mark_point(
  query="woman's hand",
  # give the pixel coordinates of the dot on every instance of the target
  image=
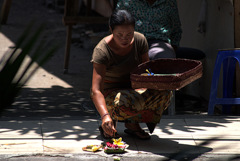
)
(108, 126)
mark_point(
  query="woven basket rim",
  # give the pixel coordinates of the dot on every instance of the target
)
(166, 78)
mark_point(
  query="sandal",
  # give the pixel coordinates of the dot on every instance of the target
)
(140, 134)
(106, 136)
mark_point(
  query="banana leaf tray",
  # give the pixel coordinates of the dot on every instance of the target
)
(169, 73)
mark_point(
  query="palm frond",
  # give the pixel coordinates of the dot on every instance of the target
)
(19, 64)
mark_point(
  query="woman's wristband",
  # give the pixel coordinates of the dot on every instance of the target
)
(105, 115)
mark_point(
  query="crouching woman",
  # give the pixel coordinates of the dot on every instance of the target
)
(113, 59)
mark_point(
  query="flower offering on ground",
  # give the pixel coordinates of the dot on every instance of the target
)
(115, 146)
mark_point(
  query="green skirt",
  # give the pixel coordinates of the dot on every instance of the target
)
(137, 105)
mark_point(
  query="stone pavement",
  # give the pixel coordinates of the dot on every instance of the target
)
(176, 137)
(53, 117)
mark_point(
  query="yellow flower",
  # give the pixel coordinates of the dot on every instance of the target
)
(118, 141)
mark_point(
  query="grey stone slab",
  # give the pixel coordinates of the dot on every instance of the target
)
(172, 122)
(69, 136)
(20, 129)
(68, 146)
(223, 146)
(209, 122)
(71, 129)
(214, 131)
(21, 146)
(20, 137)
(166, 146)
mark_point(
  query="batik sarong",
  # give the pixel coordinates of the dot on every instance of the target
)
(137, 105)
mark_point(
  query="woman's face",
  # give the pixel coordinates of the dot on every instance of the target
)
(123, 35)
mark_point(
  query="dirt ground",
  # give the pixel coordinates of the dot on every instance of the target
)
(49, 90)
(50, 93)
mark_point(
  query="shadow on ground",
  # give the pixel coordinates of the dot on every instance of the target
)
(46, 103)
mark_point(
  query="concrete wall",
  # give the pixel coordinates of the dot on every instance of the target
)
(219, 33)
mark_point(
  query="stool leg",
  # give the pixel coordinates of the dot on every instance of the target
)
(5, 11)
(229, 65)
(229, 59)
(214, 85)
(67, 49)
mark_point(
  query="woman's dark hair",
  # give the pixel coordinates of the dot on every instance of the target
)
(121, 17)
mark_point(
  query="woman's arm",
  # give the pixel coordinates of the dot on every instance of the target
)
(145, 57)
(99, 71)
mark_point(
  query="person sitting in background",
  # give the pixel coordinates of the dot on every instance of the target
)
(113, 59)
(159, 21)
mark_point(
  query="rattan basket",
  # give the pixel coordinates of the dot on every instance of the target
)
(170, 74)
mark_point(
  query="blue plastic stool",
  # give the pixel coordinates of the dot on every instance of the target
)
(229, 59)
